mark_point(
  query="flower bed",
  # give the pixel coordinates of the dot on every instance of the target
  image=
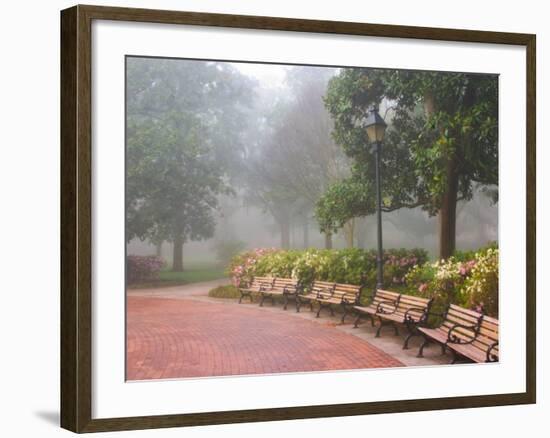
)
(143, 268)
(467, 279)
(353, 266)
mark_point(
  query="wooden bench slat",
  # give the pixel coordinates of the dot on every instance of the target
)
(459, 309)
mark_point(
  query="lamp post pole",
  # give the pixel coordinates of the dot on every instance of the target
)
(379, 255)
(376, 128)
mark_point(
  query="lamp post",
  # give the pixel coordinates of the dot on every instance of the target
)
(376, 128)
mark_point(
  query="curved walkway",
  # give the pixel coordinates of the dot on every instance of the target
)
(178, 336)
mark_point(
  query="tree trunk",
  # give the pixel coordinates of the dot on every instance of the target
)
(447, 211)
(177, 259)
(158, 249)
(285, 235)
(306, 235)
(349, 229)
(361, 234)
(328, 240)
(447, 214)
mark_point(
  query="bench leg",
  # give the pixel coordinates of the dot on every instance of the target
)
(321, 306)
(408, 338)
(249, 295)
(298, 304)
(455, 357)
(318, 311)
(262, 300)
(285, 297)
(345, 313)
(381, 324)
(357, 320)
(424, 344)
(395, 328)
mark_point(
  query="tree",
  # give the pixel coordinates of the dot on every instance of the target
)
(442, 140)
(177, 154)
(296, 159)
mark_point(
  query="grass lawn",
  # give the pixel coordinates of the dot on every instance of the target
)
(194, 273)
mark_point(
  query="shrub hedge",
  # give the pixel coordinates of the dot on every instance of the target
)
(469, 279)
(353, 266)
(142, 268)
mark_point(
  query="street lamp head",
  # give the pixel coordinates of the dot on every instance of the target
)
(375, 125)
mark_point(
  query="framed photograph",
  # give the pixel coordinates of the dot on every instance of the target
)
(270, 218)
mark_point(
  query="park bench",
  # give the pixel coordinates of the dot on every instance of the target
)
(255, 286)
(285, 287)
(381, 299)
(316, 288)
(327, 294)
(460, 333)
(392, 308)
(484, 347)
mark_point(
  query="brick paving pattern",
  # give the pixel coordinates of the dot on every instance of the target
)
(177, 338)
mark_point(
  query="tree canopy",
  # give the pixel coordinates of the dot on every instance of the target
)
(441, 142)
(183, 139)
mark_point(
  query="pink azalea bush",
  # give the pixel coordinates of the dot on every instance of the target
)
(142, 268)
(241, 268)
(468, 279)
(353, 266)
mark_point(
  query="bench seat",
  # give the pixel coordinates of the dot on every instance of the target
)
(465, 333)
(255, 286)
(285, 287)
(327, 294)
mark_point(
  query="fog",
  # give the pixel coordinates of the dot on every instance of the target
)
(267, 135)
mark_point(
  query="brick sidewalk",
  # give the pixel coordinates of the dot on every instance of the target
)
(175, 338)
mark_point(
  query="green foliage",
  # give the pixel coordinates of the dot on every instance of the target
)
(229, 291)
(341, 202)
(352, 266)
(182, 120)
(193, 275)
(481, 287)
(442, 135)
(470, 279)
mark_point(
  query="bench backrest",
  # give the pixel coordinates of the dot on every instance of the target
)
(488, 336)
(258, 282)
(459, 315)
(282, 283)
(384, 295)
(324, 287)
(407, 302)
(347, 292)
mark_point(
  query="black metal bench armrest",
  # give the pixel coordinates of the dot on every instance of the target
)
(492, 357)
(264, 287)
(380, 309)
(421, 310)
(290, 290)
(350, 301)
(325, 293)
(454, 339)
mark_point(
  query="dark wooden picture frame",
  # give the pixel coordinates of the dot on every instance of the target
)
(76, 218)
